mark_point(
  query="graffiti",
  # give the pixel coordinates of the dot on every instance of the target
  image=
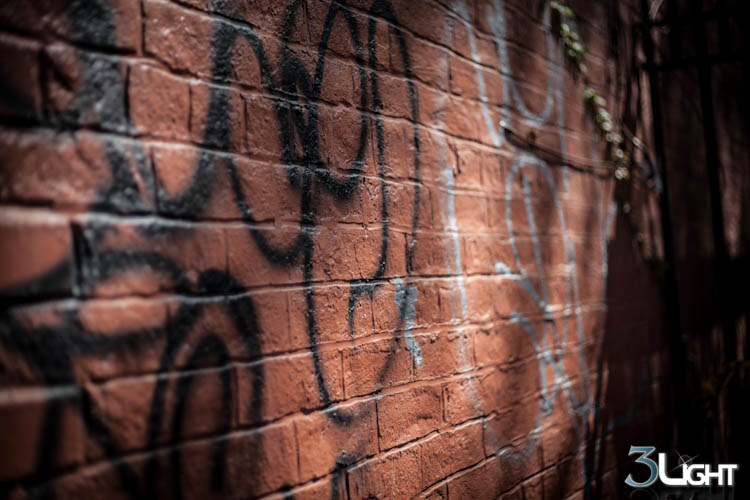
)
(191, 339)
(295, 94)
(549, 345)
(406, 299)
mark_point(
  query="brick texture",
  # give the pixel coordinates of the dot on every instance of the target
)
(286, 250)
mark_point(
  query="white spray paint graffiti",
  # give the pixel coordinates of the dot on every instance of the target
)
(496, 134)
(497, 20)
(579, 408)
(524, 160)
(549, 344)
(406, 300)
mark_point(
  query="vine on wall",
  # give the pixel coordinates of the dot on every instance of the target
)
(575, 51)
(609, 128)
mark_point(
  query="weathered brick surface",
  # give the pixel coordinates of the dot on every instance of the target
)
(286, 250)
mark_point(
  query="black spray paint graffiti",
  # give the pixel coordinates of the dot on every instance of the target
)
(295, 99)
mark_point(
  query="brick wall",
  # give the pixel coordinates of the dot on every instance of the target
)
(286, 249)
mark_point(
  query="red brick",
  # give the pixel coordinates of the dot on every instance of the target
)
(493, 86)
(110, 318)
(31, 170)
(470, 397)
(330, 314)
(347, 432)
(122, 407)
(432, 107)
(505, 344)
(22, 416)
(408, 415)
(444, 354)
(70, 73)
(471, 212)
(399, 104)
(439, 492)
(275, 331)
(451, 451)
(35, 244)
(289, 385)
(385, 309)
(125, 170)
(121, 172)
(433, 255)
(467, 173)
(50, 18)
(351, 209)
(423, 17)
(481, 253)
(398, 138)
(341, 85)
(430, 65)
(480, 482)
(464, 78)
(391, 475)
(332, 487)
(262, 461)
(99, 479)
(374, 365)
(519, 380)
(227, 318)
(533, 488)
(525, 27)
(264, 139)
(225, 131)
(508, 426)
(178, 37)
(340, 131)
(551, 483)
(159, 103)
(464, 119)
(244, 254)
(191, 249)
(520, 462)
(559, 442)
(267, 16)
(346, 253)
(175, 168)
(267, 190)
(430, 310)
(479, 298)
(400, 205)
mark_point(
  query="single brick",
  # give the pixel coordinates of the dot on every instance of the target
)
(36, 254)
(179, 37)
(327, 441)
(450, 451)
(159, 103)
(391, 475)
(85, 89)
(407, 415)
(217, 117)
